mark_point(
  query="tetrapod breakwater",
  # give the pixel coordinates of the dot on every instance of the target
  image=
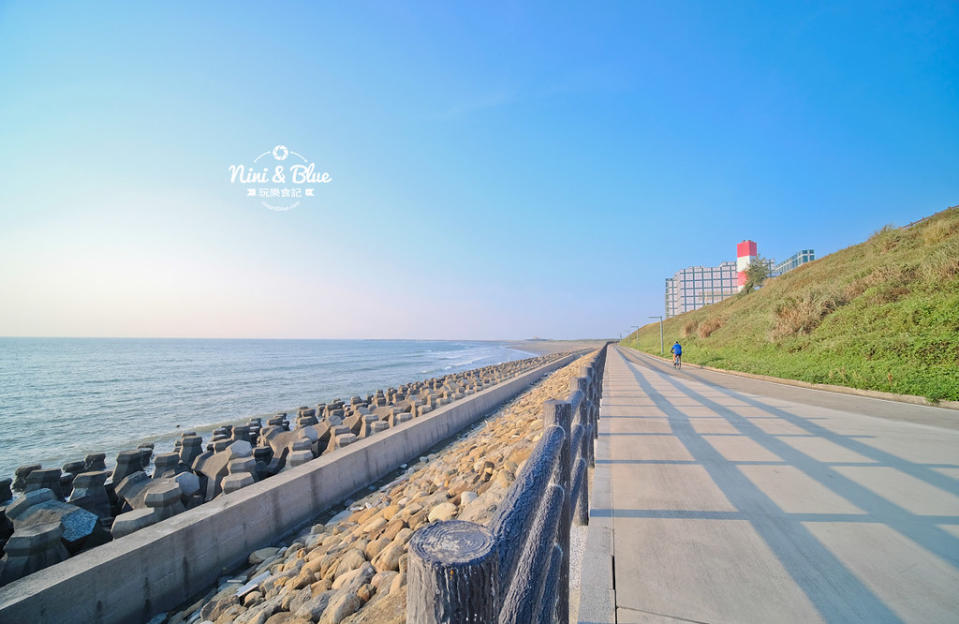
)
(352, 568)
(152, 569)
(60, 512)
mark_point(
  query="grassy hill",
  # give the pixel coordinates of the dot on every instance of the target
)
(881, 315)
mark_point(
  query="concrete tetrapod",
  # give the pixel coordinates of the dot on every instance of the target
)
(31, 549)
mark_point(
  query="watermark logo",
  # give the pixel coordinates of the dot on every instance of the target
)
(280, 178)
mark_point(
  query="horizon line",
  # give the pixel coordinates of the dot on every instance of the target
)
(65, 337)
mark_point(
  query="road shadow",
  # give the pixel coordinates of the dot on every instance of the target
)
(785, 533)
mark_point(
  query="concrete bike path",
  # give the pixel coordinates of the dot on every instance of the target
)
(718, 505)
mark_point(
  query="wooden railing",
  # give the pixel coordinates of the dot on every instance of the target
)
(515, 571)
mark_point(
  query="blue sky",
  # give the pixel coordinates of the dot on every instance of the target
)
(499, 171)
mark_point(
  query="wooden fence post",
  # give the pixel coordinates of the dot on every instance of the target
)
(453, 576)
(529, 589)
(581, 481)
(584, 412)
(549, 603)
(560, 413)
(518, 512)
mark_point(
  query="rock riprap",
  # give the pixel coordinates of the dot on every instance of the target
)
(89, 504)
(352, 568)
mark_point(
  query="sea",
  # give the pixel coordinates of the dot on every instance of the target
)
(61, 398)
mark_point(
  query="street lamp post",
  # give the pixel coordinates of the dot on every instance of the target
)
(662, 347)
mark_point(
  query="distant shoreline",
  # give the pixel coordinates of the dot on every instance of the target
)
(542, 347)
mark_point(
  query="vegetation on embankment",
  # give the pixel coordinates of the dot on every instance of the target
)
(881, 315)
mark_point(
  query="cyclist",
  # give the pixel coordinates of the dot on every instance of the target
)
(677, 354)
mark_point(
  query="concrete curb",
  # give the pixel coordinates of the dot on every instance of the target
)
(597, 602)
(163, 565)
(872, 394)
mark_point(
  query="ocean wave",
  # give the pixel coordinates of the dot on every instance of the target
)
(113, 394)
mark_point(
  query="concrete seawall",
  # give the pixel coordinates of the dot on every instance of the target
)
(161, 566)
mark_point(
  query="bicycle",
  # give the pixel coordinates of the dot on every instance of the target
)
(677, 361)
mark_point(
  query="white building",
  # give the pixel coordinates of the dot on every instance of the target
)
(800, 257)
(698, 286)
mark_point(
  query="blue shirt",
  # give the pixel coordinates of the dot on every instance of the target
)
(677, 349)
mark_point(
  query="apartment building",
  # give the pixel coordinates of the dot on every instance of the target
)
(695, 287)
(799, 258)
(698, 286)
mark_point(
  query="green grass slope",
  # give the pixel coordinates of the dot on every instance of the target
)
(881, 315)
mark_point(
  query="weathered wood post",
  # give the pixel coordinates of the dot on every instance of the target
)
(585, 416)
(514, 521)
(453, 575)
(528, 589)
(581, 414)
(549, 602)
(560, 413)
(595, 390)
(580, 477)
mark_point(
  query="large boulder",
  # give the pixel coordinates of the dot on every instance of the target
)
(384, 608)
(342, 605)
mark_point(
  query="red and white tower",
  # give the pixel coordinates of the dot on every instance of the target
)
(746, 253)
